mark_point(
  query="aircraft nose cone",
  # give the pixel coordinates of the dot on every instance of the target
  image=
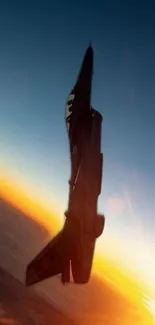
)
(88, 58)
(87, 67)
(89, 50)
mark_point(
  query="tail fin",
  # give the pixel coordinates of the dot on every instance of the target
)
(50, 261)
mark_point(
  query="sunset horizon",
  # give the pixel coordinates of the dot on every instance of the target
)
(43, 47)
(104, 267)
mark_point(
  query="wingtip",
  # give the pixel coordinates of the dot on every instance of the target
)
(31, 277)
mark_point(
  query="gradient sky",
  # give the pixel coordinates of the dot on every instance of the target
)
(42, 46)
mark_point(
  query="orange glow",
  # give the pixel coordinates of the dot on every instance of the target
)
(7, 321)
(15, 195)
(102, 267)
(117, 279)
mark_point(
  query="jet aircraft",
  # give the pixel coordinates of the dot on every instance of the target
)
(72, 249)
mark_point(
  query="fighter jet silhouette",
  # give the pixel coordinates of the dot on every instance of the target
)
(72, 249)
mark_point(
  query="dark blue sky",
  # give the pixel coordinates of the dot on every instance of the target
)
(42, 44)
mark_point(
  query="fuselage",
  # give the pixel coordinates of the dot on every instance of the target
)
(74, 245)
(82, 218)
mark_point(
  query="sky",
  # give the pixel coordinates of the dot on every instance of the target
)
(42, 46)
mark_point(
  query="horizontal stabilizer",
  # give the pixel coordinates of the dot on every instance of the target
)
(50, 261)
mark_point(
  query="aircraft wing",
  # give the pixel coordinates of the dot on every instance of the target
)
(50, 261)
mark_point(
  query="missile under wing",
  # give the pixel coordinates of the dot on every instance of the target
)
(72, 249)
